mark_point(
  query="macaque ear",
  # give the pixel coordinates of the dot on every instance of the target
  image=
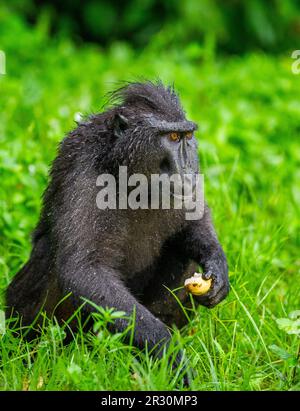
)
(120, 124)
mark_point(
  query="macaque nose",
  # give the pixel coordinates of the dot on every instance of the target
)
(185, 157)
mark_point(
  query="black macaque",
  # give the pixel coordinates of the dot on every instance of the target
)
(121, 258)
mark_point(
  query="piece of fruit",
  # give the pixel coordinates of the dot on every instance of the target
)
(196, 285)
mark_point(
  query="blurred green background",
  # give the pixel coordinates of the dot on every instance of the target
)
(234, 26)
(231, 63)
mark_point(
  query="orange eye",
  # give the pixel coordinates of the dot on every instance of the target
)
(189, 135)
(174, 136)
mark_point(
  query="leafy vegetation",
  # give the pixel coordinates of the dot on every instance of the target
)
(248, 112)
(234, 26)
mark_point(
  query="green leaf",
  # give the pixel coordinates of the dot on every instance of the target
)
(283, 354)
(2, 322)
(74, 369)
(118, 314)
(294, 314)
(289, 326)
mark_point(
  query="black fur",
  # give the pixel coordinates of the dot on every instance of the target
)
(118, 258)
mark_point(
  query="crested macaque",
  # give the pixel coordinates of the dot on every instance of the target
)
(121, 258)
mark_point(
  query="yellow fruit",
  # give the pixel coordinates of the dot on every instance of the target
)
(196, 285)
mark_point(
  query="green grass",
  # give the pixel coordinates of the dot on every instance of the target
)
(248, 112)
